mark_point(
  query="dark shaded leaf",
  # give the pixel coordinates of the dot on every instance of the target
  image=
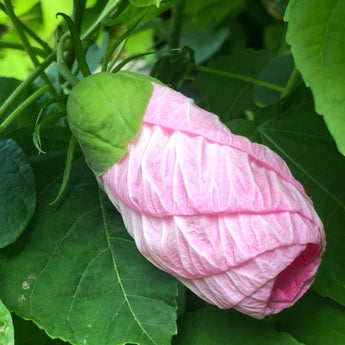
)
(17, 192)
(314, 321)
(227, 327)
(225, 96)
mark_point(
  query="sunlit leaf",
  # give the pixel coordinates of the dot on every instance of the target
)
(315, 33)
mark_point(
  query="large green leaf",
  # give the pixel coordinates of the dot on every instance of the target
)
(314, 321)
(316, 34)
(6, 326)
(225, 96)
(76, 272)
(296, 133)
(210, 325)
(17, 192)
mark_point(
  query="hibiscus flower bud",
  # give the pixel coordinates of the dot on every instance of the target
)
(221, 214)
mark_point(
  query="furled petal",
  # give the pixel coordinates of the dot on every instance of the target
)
(223, 215)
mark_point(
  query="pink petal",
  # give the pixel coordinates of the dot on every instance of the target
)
(223, 215)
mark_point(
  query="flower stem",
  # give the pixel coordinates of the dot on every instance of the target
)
(78, 13)
(292, 83)
(10, 118)
(240, 77)
(174, 37)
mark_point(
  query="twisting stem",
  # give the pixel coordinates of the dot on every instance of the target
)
(240, 77)
(61, 62)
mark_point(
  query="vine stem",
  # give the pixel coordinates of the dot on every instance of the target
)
(61, 62)
(292, 83)
(10, 118)
(240, 77)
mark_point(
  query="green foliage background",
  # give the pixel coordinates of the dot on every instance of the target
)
(273, 70)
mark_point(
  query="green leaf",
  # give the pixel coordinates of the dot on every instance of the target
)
(314, 320)
(204, 14)
(225, 96)
(315, 33)
(298, 135)
(204, 43)
(76, 272)
(50, 9)
(17, 196)
(210, 325)
(133, 13)
(6, 326)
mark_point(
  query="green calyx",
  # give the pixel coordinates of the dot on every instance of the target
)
(105, 112)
